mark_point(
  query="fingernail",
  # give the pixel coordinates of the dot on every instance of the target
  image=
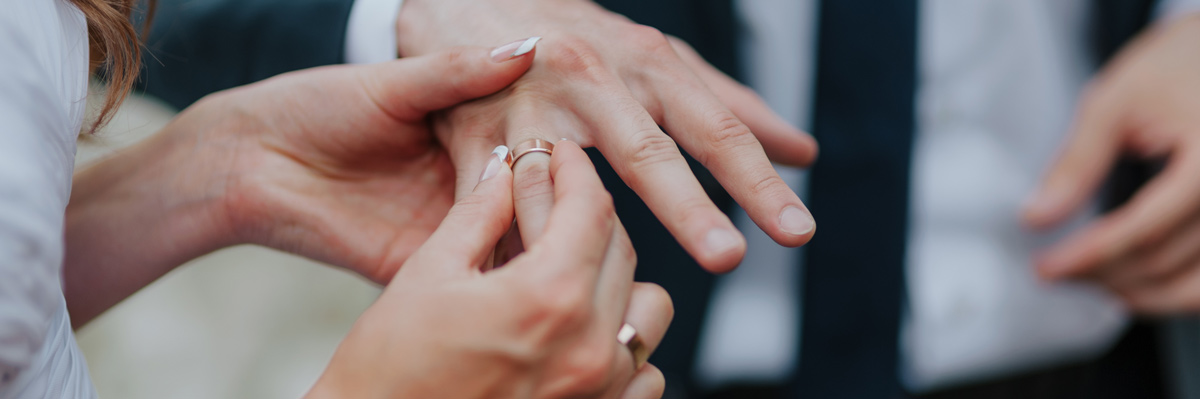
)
(514, 49)
(494, 165)
(720, 241)
(795, 221)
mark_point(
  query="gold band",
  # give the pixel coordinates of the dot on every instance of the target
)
(628, 336)
(529, 146)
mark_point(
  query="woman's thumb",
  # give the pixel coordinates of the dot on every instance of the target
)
(409, 88)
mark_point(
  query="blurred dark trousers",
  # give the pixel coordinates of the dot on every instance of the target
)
(1132, 370)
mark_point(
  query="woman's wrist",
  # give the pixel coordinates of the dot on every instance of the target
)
(139, 214)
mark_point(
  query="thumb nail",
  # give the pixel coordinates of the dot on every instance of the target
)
(494, 164)
(515, 49)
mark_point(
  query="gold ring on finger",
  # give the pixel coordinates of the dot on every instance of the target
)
(628, 336)
(530, 146)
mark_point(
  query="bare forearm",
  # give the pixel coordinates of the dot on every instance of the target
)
(136, 216)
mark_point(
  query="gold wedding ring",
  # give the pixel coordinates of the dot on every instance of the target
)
(530, 146)
(628, 336)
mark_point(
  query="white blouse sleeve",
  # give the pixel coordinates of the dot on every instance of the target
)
(36, 161)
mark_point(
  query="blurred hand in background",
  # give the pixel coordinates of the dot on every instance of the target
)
(1146, 103)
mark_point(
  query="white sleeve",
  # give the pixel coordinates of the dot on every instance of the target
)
(37, 144)
(1170, 9)
(371, 32)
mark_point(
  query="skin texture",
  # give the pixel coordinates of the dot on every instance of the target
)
(1146, 103)
(603, 81)
(541, 326)
(336, 164)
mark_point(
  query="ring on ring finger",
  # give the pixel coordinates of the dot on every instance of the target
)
(527, 147)
(628, 336)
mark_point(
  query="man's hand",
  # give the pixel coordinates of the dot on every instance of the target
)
(601, 80)
(1146, 103)
(336, 164)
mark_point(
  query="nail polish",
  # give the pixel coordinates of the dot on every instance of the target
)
(494, 164)
(515, 49)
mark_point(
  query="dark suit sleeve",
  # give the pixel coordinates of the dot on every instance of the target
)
(197, 47)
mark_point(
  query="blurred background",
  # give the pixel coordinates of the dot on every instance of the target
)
(245, 322)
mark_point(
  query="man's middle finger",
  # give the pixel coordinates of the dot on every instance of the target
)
(651, 164)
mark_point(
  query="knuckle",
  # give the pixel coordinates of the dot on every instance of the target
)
(600, 213)
(766, 184)
(563, 305)
(577, 58)
(531, 179)
(647, 38)
(693, 207)
(457, 65)
(660, 300)
(627, 254)
(651, 147)
(591, 366)
(728, 133)
(469, 206)
(604, 207)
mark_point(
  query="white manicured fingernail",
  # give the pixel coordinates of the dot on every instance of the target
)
(720, 241)
(494, 165)
(514, 49)
(795, 221)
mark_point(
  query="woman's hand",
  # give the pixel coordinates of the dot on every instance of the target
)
(544, 325)
(604, 81)
(335, 164)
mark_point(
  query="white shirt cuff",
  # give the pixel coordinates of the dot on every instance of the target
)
(371, 32)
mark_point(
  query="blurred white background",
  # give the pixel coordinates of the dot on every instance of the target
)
(245, 322)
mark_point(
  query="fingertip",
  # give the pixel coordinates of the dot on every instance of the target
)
(813, 149)
(510, 61)
(519, 50)
(796, 226)
(566, 150)
(567, 153)
(722, 250)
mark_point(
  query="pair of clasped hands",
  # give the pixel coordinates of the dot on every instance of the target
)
(389, 170)
(398, 171)
(465, 318)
